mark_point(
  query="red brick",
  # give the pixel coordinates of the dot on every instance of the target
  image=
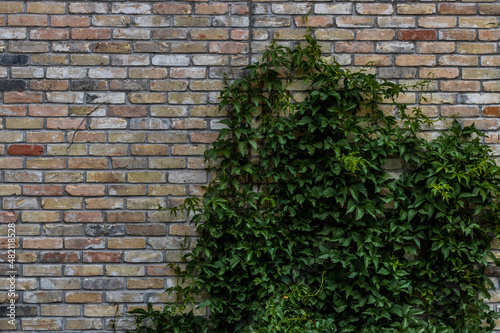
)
(43, 190)
(8, 217)
(28, 150)
(69, 21)
(457, 9)
(417, 35)
(127, 111)
(102, 256)
(12, 111)
(22, 97)
(491, 111)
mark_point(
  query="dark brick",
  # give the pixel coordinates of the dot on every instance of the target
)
(103, 284)
(12, 85)
(104, 230)
(492, 271)
(5, 270)
(85, 85)
(147, 230)
(21, 311)
(398, 73)
(8, 60)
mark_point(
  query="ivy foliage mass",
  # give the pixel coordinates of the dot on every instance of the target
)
(303, 229)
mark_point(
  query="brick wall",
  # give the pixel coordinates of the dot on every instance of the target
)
(107, 107)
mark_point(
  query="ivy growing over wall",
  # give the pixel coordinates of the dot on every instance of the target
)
(303, 230)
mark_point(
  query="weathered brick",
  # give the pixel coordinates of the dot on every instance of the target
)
(102, 311)
(479, 98)
(147, 98)
(125, 217)
(126, 243)
(122, 270)
(112, 47)
(458, 60)
(146, 230)
(459, 110)
(415, 60)
(83, 324)
(145, 283)
(489, 35)
(377, 60)
(101, 203)
(106, 177)
(145, 203)
(457, 9)
(41, 324)
(83, 270)
(480, 73)
(104, 230)
(61, 203)
(63, 177)
(416, 9)
(62, 230)
(39, 216)
(85, 190)
(43, 137)
(437, 22)
(42, 190)
(435, 47)
(476, 48)
(42, 270)
(90, 33)
(87, 163)
(69, 21)
(13, 33)
(11, 7)
(478, 22)
(60, 257)
(22, 177)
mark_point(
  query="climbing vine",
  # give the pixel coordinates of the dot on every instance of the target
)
(303, 229)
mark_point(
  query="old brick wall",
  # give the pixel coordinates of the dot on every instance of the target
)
(107, 107)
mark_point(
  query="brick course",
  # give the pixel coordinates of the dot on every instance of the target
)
(106, 109)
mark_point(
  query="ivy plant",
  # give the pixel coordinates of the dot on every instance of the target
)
(303, 229)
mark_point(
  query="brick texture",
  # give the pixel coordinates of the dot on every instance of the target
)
(106, 109)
